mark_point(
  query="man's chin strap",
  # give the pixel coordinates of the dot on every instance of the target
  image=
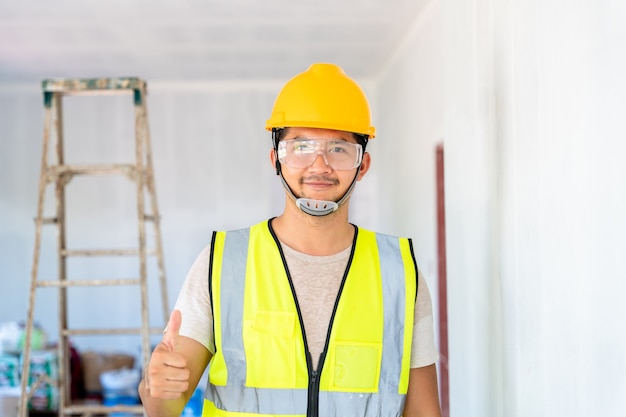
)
(318, 207)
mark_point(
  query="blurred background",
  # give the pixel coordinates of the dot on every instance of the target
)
(526, 99)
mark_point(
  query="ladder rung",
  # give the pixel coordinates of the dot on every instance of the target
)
(105, 252)
(88, 283)
(95, 169)
(85, 332)
(88, 85)
(101, 409)
(54, 220)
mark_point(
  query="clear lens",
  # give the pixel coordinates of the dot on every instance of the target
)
(301, 153)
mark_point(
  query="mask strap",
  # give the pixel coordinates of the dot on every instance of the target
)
(275, 139)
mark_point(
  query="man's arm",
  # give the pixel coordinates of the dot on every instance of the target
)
(175, 367)
(422, 399)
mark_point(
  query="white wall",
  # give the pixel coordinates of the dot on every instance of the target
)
(472, 210)
(562, 198)
(532, 99)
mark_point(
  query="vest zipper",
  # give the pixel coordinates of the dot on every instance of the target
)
(312, 409)
(313, 406)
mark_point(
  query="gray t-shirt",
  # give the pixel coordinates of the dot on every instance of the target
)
(316, 280)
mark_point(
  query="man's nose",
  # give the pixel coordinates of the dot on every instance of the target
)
(320, 162)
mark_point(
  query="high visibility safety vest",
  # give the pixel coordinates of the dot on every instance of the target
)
(262, 365)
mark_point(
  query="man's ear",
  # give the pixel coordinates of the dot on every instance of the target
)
(274, 160)
(365, 165)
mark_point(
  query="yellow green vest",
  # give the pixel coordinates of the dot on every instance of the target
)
(261, 364)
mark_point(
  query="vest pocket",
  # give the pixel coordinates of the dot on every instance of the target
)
(270, 335)
(355, 366)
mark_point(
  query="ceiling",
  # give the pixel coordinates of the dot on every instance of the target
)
(197, 39)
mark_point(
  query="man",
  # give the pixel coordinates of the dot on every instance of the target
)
(303, 314)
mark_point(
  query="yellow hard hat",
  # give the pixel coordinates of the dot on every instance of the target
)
(323, 97)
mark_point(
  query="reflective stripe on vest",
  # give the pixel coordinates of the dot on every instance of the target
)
(367, 363)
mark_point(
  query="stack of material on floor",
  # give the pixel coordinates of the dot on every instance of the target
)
(44, 366)
(9, 371)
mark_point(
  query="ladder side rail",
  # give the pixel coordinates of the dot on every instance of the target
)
(156, 218)
(62, 344)
(23, 411)
(140, 132)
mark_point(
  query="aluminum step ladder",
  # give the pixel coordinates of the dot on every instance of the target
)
(55, 172)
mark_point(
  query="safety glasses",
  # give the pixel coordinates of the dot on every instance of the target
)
(302, 152)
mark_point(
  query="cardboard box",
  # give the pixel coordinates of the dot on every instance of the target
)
(95, 363)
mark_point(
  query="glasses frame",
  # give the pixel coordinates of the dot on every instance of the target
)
(282, 153)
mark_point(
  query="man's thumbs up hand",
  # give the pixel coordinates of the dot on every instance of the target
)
(168, 375)
(170, 336)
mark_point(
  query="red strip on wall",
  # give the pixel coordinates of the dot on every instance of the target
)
(442, 286)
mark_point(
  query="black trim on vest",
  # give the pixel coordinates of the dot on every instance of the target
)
(415, 265)
(210, 278)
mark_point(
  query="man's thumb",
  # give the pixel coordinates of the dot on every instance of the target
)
(172, 329)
